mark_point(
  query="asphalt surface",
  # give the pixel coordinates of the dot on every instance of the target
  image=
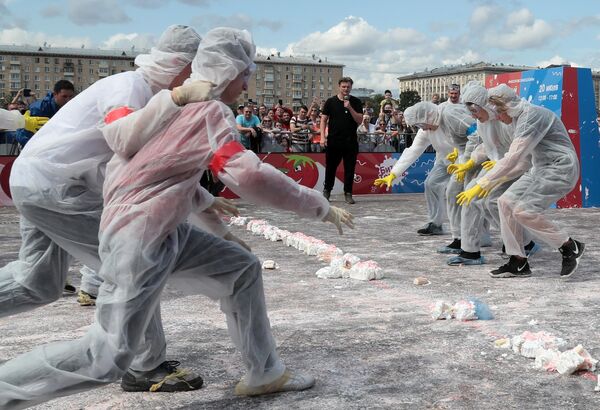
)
(369, 344)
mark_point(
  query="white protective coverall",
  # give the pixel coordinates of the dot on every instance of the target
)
(496, 138)
(554, 172)
(144, 239)
(56, 185)
(11, 120)
(455, 129)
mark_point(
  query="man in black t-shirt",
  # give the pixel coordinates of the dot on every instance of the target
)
(341, 115)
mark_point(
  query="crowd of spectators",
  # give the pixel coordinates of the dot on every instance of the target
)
(280, 129)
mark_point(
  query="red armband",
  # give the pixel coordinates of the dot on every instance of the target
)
(223, 154)
(117, 113)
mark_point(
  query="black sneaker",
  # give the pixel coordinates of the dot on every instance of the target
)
(69, 289)
(348, 198)
(454, 247)
(431, 229)
(515, 268)
(571, 252)
(165, 378)
(326, 194)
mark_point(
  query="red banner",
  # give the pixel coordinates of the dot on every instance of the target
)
(5, 167)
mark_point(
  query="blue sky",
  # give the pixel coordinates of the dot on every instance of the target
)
(377, 41)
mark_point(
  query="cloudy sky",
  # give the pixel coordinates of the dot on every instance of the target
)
(377, 41)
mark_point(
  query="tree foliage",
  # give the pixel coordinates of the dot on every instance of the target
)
(409, 98)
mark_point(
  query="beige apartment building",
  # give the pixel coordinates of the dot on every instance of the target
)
(437, 80)
(294, 80)
(39, 68)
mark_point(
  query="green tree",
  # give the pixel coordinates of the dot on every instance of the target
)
(408, 98)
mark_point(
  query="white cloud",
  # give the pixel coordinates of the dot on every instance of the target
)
(92, 12)
(556, 60)
(522, 17)
(468, 57)
(126, 41)
(483, 15)
(19, 36)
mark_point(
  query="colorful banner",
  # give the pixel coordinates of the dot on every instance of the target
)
(5, 167)
(569, 93)
(309, 170)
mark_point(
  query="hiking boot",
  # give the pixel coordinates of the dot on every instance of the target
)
(348, 198)
(431, 229)
(287, 382)
(466, 258)
(454, 247)
(571, 252)
(69, 289)
(85, 299)
(532, 248)
(165, 378)
(326, 194)
(515, 268)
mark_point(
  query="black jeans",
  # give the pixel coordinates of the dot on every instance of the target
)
(335, 153)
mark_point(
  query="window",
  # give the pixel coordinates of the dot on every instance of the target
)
(36, 78)
(1, 76)
(26, 69)
(56, 61)
(15, 76)
(68, 60)
(46, 69)
(91, 71)
(15, 86)
(37, 60)
(46, 60)
(1, 58)
(14, 58)
(55, 69)
(36, 87)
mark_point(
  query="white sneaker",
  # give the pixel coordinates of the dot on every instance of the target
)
(287, 382)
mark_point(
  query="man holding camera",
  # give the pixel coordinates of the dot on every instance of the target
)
(341, 115)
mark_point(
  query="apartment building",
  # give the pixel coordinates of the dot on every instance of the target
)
(39, 68)
(293, 80)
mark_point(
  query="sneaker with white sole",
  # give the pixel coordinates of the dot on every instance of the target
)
(167, 377)
(515, 268)
(287, 382)
(69, 289)
(571, 252)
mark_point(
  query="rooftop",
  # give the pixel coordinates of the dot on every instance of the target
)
(71, 51)
(278, 59)
(445, 70)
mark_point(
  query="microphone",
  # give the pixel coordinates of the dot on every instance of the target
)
(346, 98)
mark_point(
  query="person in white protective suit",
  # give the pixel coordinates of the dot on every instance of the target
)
(554, 172)
(496, 138)
(56, 185)
(144, 240)
(447, 128)
(12, 120)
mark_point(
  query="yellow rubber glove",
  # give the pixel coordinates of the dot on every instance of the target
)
(465, 197)
(460, 176)
(33, 124)
(385, 180)
(455, 168)
(453, 156)
(487, 165)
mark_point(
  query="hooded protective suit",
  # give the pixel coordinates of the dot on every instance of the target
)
(147, 198)
(11, 120)
(56, 185)
(455, 128)
(539, 133)
(496, 138)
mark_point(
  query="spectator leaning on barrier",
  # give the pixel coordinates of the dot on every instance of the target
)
(435, 98)
(248, 125)
(48, 106)
(300, 126)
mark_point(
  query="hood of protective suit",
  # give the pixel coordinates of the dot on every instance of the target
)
(222, 55)
(475, 93)
(509, 97)
(424, 112)
(175, 49)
